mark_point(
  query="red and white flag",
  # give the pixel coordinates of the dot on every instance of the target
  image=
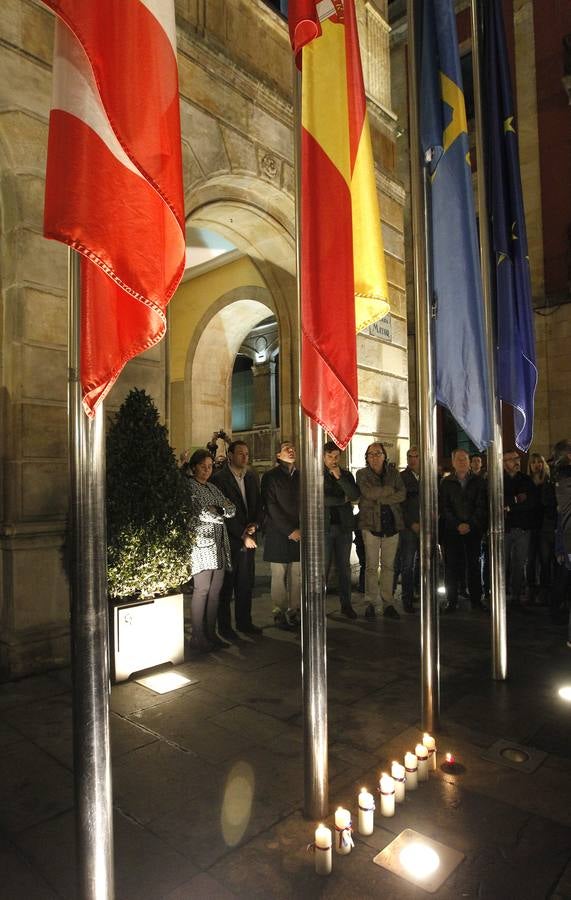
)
(114, 175)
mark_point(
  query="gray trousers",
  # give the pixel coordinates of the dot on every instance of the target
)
(204, 604)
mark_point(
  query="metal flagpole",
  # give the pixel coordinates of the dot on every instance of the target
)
(89, 626)
(429, 646)
(495, 452)
(313, 622)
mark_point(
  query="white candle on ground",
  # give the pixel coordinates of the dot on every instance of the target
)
(430, 745)
(387, 790)
(366, 803)
(398, 774)
(322, 849)
(343, 839)
(422, 757)
(411, 767)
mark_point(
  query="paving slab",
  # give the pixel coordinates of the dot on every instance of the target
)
(145, 867)
(33, 787)
(153, 779)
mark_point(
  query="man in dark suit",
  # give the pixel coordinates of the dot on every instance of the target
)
(463, 507)
(240, 485)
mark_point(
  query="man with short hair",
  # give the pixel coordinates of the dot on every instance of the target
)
(339, 492)
(240, 485)
(463, 508)
(476, 463)
(409, 537)
(519, 502)
(280, 497)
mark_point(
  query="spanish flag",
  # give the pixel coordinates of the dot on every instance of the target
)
(343, 278)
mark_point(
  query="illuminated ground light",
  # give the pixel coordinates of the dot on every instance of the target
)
(237, 803)
(565, 692)
(164, 682)
(420, 860)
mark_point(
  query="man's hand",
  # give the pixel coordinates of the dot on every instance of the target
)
(335, 470)
(463, 528)
(295, 535)
(249, 543)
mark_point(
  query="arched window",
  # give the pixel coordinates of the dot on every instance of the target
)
(242, 394)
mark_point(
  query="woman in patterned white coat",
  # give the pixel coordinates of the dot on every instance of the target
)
(211, 550)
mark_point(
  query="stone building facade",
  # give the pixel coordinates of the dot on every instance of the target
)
(237, 132)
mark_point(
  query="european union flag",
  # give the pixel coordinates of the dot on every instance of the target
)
(460, 346)
(517, 372)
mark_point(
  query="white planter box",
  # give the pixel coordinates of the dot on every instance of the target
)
(146, 633)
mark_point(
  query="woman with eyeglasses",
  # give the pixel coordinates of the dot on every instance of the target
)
(380, 520)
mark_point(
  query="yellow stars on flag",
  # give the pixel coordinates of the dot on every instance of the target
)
(509, 125)
(454, 98)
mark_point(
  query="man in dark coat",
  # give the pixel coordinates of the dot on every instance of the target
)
(463, 507)
(340, 491)
(409, 537)
(519, 507)
(280, 498)
(240, 485)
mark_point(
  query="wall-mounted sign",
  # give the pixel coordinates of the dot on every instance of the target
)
(382, 329)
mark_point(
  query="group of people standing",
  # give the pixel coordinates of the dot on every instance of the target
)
(230, 507)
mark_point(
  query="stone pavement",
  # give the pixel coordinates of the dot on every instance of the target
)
(208, 779)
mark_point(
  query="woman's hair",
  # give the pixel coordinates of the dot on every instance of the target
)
(197, 457)
(534, 457)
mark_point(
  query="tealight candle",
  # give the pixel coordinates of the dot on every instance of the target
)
(343, 839)
(450, 765)
(430, 745)
(366, 803)
(411, 768)
(398, 774)
(387, 791)
(422, 757)
(322, 848)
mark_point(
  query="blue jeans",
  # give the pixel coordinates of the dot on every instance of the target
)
(409, 547)
(338, 546)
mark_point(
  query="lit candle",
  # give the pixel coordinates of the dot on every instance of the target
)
(430, 745)
(450, 764)
(422, 757)
(322, 849)
(411, 768)
(387, 791)
(343, 839)
(366, 803)
(398, 774)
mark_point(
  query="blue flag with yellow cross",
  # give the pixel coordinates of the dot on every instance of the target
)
(516, 362)
(459, 338)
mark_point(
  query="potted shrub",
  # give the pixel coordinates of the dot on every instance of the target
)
(148, 539)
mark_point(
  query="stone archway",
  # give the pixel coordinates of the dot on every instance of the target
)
(257, 219)
(210, 358)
